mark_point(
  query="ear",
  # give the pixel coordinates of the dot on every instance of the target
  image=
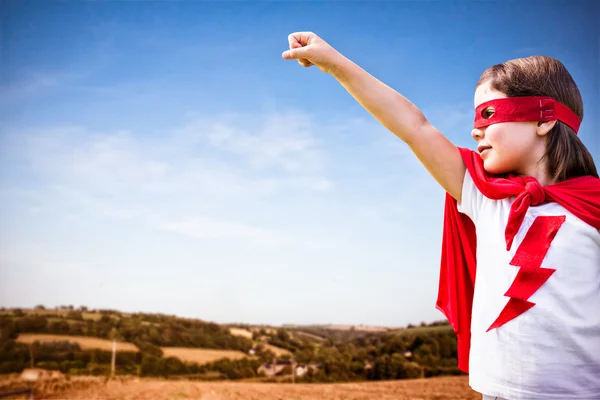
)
(544, 127)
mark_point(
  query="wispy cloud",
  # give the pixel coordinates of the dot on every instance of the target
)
(205, 228)
(281, 141)
(32, 84)
(451, 119)
(190, 181)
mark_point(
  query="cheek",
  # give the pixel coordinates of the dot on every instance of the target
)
(509, 136)
(494, 134)
(519, 133)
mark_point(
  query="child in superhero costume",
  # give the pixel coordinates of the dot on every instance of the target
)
(520, 270)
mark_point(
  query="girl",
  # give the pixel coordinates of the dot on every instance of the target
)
(524, 210)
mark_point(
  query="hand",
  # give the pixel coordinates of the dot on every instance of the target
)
(309, 49)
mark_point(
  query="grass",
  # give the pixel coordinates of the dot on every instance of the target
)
(278, 351)
(85, 342)
(201, 356)
(422, 330)
(240, 332)
(86, 315)
(359, 328)
(309, 335)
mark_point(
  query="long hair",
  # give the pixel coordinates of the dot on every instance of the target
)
(567, 156)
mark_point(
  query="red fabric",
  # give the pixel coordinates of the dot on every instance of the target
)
(526, 108)
(581, 196)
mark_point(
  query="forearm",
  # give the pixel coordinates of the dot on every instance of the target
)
(389, 107)
(437, 154)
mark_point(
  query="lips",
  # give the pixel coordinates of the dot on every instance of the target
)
(481, 148)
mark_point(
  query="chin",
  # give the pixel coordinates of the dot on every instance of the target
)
(494, 168)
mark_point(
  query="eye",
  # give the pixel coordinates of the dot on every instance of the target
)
(487, 112)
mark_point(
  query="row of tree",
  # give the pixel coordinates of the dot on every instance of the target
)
(68, 357)
(340, 355)
(157, 331)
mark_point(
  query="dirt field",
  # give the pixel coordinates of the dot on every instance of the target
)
(84, 342)
(201, 356)
(445, 388)
(278, 351)
(422, 330)
(240, 332)
(362, 328)
(309, 335)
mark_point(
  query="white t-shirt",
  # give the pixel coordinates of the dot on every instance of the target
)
(552, 351)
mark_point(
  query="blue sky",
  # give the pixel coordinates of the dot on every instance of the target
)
(163, 157)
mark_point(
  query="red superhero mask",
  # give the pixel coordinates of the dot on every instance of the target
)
(528, 108)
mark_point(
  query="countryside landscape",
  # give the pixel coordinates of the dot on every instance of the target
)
(281, 241)
(67, 352)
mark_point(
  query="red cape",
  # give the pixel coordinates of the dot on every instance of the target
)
(581, 196)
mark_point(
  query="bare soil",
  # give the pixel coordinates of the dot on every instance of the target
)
(129, 388)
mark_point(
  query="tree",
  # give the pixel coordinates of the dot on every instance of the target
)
(60, 327)
(283, 335)
(76, 315)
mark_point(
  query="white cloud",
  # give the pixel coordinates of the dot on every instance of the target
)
(195, 178)
(205, 228)
(284, 141)
(258, 198)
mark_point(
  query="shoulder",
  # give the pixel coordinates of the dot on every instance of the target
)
(571, 242)
(476, 204)
(574, 224)
(581, 195)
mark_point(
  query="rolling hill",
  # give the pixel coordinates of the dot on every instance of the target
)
(79, 342)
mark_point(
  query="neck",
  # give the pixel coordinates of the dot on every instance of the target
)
(540, 173)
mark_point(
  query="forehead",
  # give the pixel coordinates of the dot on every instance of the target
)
(485, 93)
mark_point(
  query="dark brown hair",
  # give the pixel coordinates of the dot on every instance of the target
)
(545, 76)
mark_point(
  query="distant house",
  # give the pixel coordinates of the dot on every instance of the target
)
(279, 367)
(301, 370)
(38, 374)
(274, 368)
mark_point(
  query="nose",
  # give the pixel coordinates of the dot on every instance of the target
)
(477, 134)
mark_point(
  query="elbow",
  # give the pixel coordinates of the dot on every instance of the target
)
(420, 128)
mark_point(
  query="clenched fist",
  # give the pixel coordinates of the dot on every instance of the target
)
(309, 49)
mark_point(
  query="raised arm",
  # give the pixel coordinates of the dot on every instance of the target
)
(439, 156)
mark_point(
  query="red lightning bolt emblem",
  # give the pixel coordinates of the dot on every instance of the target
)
(531, 276)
